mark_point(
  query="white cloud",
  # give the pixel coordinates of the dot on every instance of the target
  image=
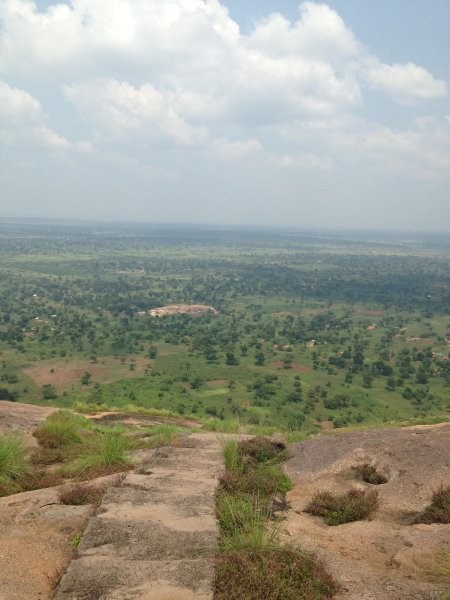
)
(118, 109)
(161, 84)
(319, 34)
(406, 83)
(306, 160)
(22, 120)
(235, 150)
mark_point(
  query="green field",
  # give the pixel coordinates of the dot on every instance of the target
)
(327, 329)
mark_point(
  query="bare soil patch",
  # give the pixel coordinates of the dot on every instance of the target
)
(216, 383)
(374, 313)
(195, 310)
(381, 558)
(420, 341)
(63, 373)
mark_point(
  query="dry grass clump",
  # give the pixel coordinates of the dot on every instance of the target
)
(344, 508)
(79, 495)
(263, 450)
(282, 573)
(41, 479)
(369, 474)
(438, 511)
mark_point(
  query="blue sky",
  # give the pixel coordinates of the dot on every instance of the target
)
(311, 114)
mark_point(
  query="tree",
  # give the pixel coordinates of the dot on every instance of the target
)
(231, 359)
(152, 352)
(48, 392)
(86, 378)
(260, 359)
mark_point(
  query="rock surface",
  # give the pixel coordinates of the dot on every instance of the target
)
(23, 418)
(387, 557)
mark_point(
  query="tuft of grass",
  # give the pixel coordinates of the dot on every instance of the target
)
(162, 435)
(61, 430)
(104, 452)
(233, 463)
(438, 511)
(369, 474)
(243, 522)
(13, 463)
(344, 508)
(274, 574)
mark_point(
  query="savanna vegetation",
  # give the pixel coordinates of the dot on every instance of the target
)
(311, 329)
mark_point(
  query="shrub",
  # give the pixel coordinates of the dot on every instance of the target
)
(369, 474)
(271, 575)
(13, 464)
(78, 495)
(438, 511)
(344, 508)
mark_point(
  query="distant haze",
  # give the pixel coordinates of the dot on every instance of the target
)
(319, 115)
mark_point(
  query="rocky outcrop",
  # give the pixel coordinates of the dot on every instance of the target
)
(387, 557)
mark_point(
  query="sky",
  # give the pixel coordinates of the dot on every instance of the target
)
(241, 112)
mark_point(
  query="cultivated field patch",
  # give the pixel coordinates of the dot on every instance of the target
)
(63, 373)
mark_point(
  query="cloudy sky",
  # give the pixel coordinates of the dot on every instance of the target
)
(256, 112)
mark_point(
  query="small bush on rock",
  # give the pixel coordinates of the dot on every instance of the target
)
(345, 508)
(438, 511)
